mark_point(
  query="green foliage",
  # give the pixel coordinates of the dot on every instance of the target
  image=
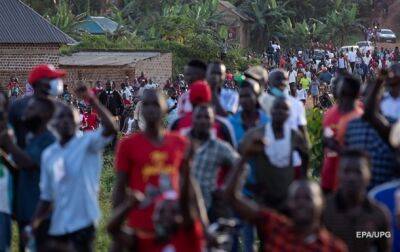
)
(65, 19)
(266, 15)
(299, 34)
(342, 22)
(315, 131)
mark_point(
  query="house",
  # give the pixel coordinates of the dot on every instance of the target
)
(91, 66)
(97, 25)
(26, 39)
(238, 23)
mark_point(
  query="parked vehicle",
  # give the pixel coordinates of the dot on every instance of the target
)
(365, 46)
(344, 49)
(386, 35)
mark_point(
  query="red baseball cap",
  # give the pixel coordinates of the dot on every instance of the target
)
(199, 92)
(44, 71)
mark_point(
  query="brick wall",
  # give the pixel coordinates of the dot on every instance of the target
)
(92, 74)
(18, 59)
(158, 69)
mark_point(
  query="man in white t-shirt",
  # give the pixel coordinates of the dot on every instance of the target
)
(367, 58)
(278, 80)
(352, 58)
(292, 75)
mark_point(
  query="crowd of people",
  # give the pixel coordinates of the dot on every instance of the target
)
(214, 161)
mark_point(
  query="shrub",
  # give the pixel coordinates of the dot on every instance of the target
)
(315, 131)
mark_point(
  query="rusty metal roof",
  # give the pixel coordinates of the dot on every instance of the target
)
(106, 58)
(21, 24)
(230, 7)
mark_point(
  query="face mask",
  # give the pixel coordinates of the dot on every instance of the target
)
(277, 92)
(56, 87)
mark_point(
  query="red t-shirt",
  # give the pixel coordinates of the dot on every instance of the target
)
(90, 121)
(184, 240)
(145, 162)
(337, 122)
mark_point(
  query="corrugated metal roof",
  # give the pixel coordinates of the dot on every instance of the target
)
(21, 24)
(106, 58)
(235, 10)
(97, 25)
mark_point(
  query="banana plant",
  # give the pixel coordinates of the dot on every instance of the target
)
(64, 19)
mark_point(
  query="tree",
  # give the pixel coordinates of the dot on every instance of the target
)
(340, 23)
(266, 15)
(65, 19)
(300, 34)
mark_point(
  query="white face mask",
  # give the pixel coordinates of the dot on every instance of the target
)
(56, 87)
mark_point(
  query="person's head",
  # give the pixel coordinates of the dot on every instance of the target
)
(348, 88)
(199, 93)
(216, 74)
(154, 107)
(195, 70)
(141, 74)
(203, 119)
(305, 202)
(393, 82)
(98, 84)
(248, 94)
(46, 80)
(323, 88)
(354, 173)
(65, 122)
(351, 49)
(280, 111)
(173, 93)
(108, 85)
(123, 86)
(278, 78)
(38, 113)
(259, 74)
(293, 88)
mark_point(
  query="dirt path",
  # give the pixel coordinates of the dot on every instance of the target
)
(391, 21)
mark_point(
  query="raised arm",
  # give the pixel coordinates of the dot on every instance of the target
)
(371, 111)
(248, 210)
(302, 147)
(22, 159)
(110, 126)
(191, 200)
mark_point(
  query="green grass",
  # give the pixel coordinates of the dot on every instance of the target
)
(106, 184)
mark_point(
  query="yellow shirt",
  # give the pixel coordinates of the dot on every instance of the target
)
(305, 83)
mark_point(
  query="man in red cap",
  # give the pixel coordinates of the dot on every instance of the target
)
(200, 93)
(46, 81)
(30, 115)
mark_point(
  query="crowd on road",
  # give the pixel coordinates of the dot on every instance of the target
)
(214, 161)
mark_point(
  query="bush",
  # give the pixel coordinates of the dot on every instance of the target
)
(315, 131)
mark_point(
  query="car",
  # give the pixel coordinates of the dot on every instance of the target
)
(344, 49)
(319, 54)
(366, 46)
(386, 35)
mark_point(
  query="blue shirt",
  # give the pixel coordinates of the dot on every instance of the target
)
(27, 195)
(385, 194)
(70, 180)
(239, 131)
(237, 123)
